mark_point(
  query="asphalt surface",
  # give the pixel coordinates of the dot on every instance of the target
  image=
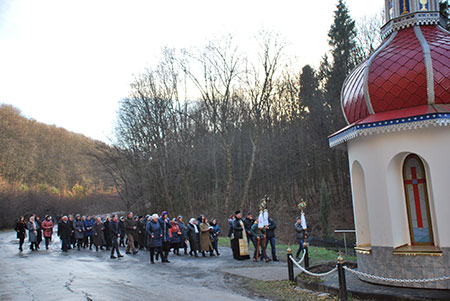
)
(88, 275)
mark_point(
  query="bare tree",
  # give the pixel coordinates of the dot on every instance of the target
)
(220, 63)
(259, 82)
(369, 34)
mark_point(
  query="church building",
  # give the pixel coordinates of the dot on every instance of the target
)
(397, 106)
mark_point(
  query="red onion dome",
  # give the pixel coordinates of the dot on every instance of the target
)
(409, 71)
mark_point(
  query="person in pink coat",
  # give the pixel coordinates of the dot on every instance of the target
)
(47, 227)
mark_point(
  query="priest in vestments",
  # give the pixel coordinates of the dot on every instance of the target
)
(239, 241)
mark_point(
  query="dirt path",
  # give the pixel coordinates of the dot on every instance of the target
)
(87, 275)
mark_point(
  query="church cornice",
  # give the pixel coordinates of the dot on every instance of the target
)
(413, 19)
(387, 126)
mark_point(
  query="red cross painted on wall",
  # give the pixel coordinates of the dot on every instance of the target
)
(415, 184)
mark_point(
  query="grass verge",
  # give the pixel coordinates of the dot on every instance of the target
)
(283, 291)
(317, 255)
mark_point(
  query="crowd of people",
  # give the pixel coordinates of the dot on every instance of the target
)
(157, 233)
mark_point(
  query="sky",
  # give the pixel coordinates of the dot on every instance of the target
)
(69, 62)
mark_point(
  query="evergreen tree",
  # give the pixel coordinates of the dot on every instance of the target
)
(310, 95)
(342, 39)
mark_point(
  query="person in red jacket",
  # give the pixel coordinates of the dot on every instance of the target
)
(47, 226)
(175, 237)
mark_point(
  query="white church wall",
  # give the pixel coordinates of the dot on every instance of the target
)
(360, 210)
(377, 199)
(381, 157)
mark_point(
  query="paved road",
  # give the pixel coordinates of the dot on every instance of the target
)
(87, 275)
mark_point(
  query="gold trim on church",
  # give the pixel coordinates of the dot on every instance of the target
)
(365, 249)
(417, 250)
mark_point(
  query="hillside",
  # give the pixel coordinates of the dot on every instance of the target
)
(44, 168)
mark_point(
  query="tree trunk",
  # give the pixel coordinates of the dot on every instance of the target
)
(229, 177)
(244, 202)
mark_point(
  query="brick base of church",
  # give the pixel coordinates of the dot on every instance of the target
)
(382, 262)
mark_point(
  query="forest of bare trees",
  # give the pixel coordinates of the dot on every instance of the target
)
(213, 129)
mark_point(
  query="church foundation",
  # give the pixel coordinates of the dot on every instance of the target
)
(383, 262)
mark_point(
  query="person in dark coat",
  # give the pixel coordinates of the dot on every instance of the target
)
(21, 228)
(88, 231)
(184, 237)
(271, 238)
(37, 219)
(47, 227)
(300, 235)
(240, 242)
(107, 232)
(130, 229)
(135, 234)
(248, 223)
(154, 231)
(65, 231)
(73, 241)
(140, 231)
(215, 231)
(115, 235)
(78, 227)
(175, 233)
(230, 235)
(122, 232)
(194, 237)
(98, 237)
(165, 226)
(260, 242)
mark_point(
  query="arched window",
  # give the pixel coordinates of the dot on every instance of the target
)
(419, 217)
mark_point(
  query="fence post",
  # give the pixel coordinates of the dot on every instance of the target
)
(342, 284)
(290, 265)
(305, 246)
